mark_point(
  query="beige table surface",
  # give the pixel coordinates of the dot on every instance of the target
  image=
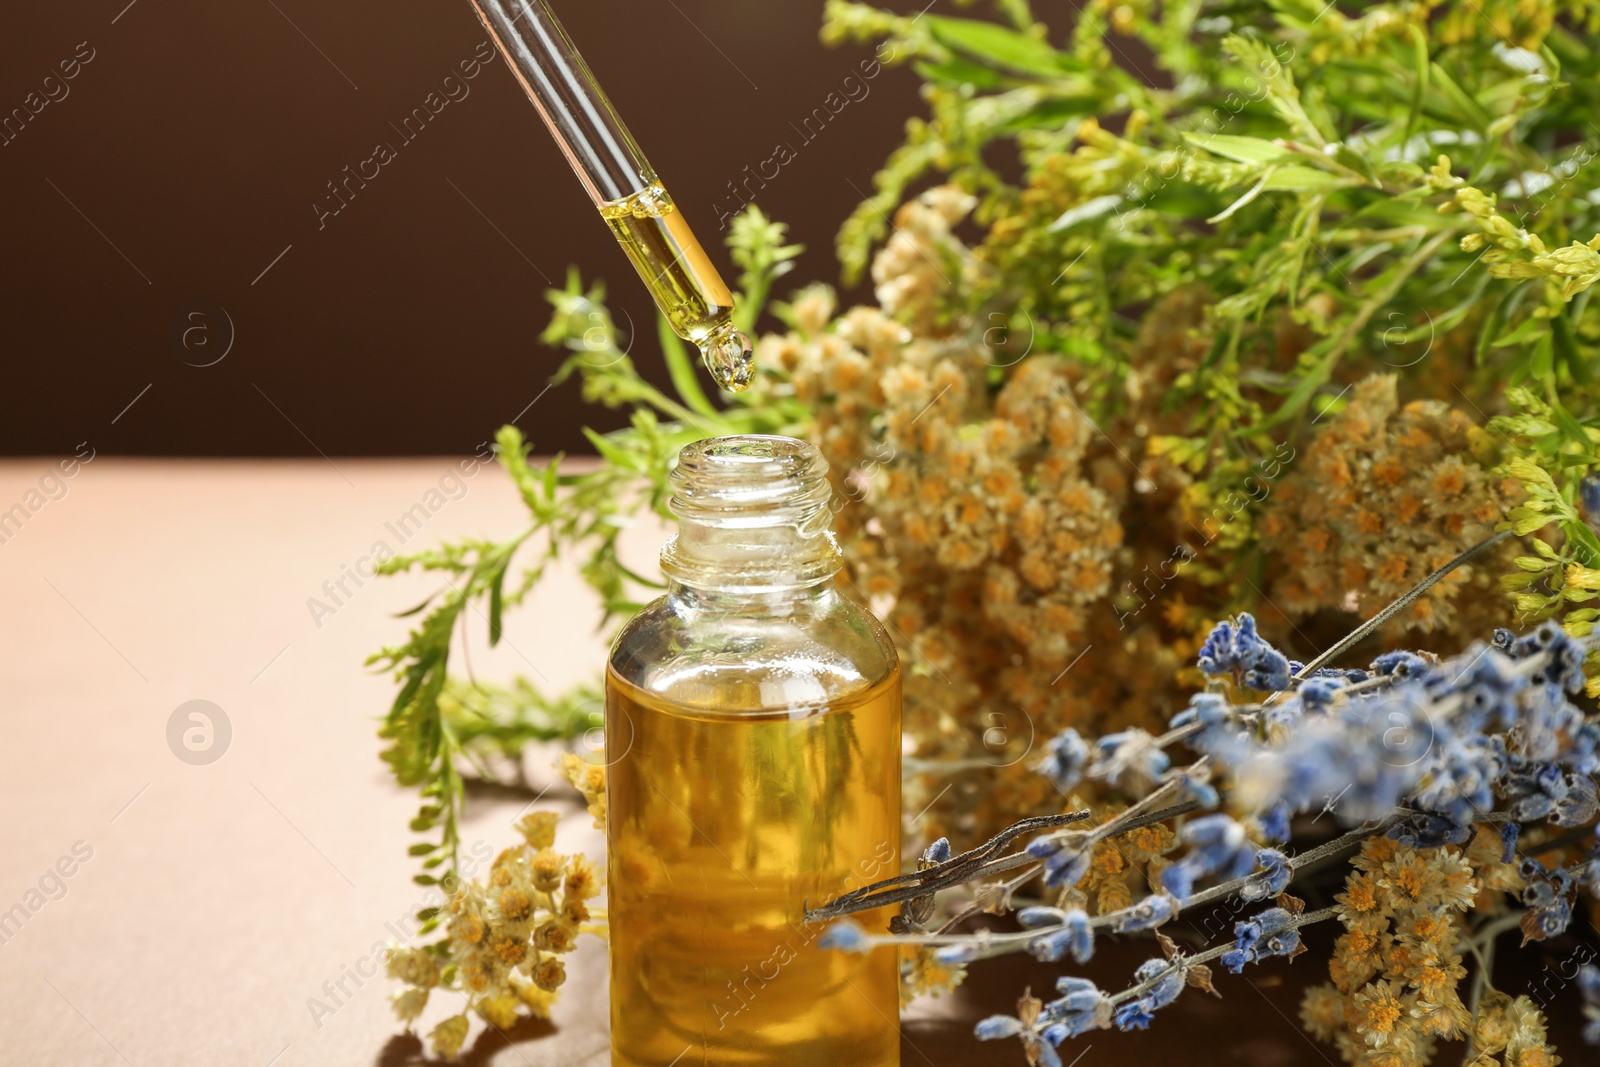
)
(219, 899)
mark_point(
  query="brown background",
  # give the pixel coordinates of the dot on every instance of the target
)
(201, 134)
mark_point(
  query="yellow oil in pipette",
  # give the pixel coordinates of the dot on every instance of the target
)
(680, 276)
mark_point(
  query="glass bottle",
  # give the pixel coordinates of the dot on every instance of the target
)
(753, 737)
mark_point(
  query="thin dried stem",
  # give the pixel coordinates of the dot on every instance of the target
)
(1402, 602)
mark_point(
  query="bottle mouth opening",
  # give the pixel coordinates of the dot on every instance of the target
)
(751, 479)
(753, 514)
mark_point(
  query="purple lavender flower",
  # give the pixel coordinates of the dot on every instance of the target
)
(1081, 1007)
(998, 1028)
(1077, 995)
(1064, 864)
(1509, 832)
(1133, 1016)
(1274, 822)
(1535, 791)
(1426, 830)
(1130, 760)
(1399, 664)
(1167, 979)
(846, 935)
(1271, 879)
(1207, 709)
(1580, 804)
(1149, 913)
(1039, 1035)
(1565, 669)
(1589, 496)
(1195, 788)
(1316, 694)
(1220, 844)
(1589, 986)
(1178, 880)
(1071, 934)
(1236, 649)
(953, 954)
(1548, 898)
(1065, 758)
(1266, 934)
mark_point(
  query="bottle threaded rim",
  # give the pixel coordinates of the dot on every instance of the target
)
(754, 513)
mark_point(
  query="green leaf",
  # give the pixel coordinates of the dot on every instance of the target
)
(1491, 326)
(1254, 191)
(1350, 159)
(1087, 211)
(1569, 425)
(1583, 539)
(1424, 62)
(1183, 201)
(1303, 179)
(412, 611)
(1401, 211)
(1566, 348)
(1542, 360)
(496, 603)
(1460, 103)
(1007, 48)
(1240, 149)
(1527, 331)
(959, 71)
(609, 451)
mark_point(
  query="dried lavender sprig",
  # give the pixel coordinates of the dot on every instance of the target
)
(1246, 713)
(1327, 848)
(953, 871)
(959, 869)
(988, 944)
(1136, 991)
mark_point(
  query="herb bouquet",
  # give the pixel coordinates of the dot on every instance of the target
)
(1227, 471)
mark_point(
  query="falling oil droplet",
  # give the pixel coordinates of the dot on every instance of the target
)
(730, 357)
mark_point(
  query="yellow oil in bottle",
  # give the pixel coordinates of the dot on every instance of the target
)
(683, 281)
(722, 829)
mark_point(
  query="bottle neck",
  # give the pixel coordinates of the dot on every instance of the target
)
(753, 519)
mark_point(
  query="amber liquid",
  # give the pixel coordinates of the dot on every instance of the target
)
(723, 828)
(668, 256)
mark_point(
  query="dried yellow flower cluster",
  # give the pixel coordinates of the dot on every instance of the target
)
(1003, 535)
(1395, 969)
(1382, 496)
(589, 779)
(923, 974)
(976, 530)
(1510, 1031)
(505, 937)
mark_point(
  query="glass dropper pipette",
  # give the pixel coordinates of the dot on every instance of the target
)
(652, 231)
